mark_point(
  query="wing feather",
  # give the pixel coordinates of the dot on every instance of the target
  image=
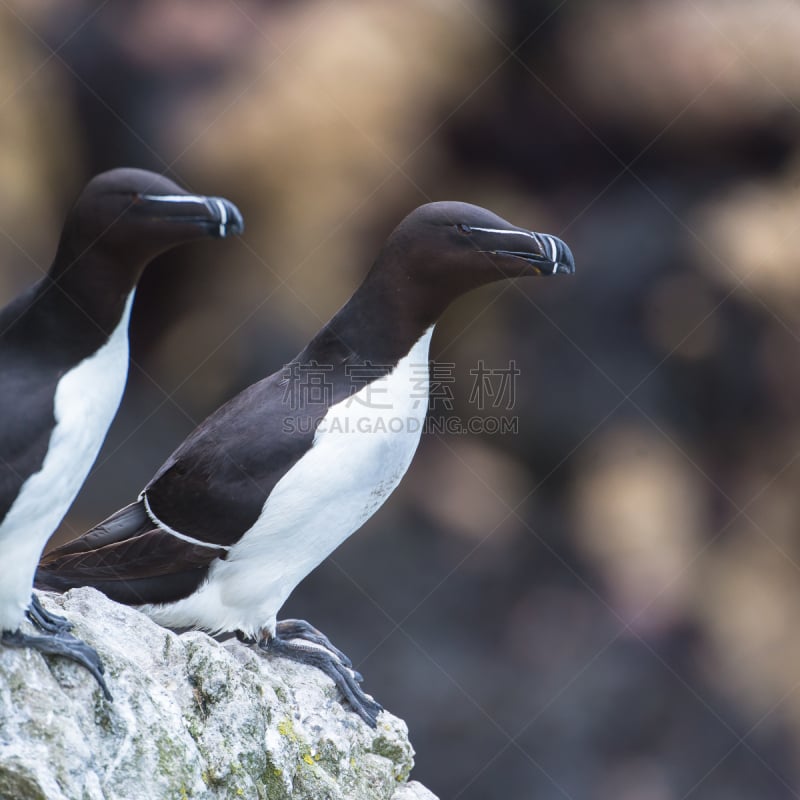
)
(130, 559)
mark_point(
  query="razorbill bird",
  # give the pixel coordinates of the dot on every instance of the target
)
(273, 481)
(63, 365)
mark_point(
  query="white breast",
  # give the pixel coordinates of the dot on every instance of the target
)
(86, 399)
(361, 450)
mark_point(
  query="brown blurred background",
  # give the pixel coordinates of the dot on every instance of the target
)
(604, 605)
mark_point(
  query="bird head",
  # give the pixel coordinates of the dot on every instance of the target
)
(442, 250)
(133, 215)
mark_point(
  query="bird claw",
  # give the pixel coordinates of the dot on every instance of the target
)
(300, 629)
(45, 620)
(325, 658)
(62, 644)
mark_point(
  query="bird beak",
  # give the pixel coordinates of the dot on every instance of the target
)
(218, 216)
(551, 255)
(547, 255)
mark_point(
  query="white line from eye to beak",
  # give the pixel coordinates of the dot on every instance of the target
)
(194, 198)
(500, 230)
(176, 198)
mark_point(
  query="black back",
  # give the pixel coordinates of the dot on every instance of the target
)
(214, 486)
(116, 227)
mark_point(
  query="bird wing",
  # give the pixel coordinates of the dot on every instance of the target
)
(25, 432)
(26, 426)
(130, 559)
(211, 490)
(214, 486)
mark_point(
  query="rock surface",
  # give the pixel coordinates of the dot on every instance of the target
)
(191, 718)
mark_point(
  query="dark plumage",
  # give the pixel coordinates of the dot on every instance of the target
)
(63, 364)
(266, 487)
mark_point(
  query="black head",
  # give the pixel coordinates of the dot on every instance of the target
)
(121, 221)
(437, 253)
(471, 245)
(131, 215)
(442, 250)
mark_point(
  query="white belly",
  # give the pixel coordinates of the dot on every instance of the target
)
(361, 450)
(86, 400)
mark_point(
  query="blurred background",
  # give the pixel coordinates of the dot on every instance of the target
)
(605, 604)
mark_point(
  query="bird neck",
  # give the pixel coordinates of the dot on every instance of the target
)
(93, 283)
(84, 293)
(380, 323)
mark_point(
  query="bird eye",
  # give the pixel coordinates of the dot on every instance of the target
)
(462, 228)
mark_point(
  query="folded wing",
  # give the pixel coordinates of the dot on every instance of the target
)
(129, 559)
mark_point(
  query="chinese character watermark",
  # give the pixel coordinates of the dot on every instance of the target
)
(497, 385)
(307, 384)
(442, 376)
(422, 399)
(366, 388)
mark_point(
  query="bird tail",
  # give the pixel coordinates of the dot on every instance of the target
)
(130, 559)
(51, 581)
(60, 569)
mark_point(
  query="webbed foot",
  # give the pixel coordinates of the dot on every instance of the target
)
(300, 629)
(61, 644)
(44, 620)
(290, 640)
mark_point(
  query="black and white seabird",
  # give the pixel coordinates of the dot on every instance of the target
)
(272, 482)
(63, 366)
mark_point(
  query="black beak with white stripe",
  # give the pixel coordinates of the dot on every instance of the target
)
(215, 215)
(272, 482)
(63, 366)
(547, 255)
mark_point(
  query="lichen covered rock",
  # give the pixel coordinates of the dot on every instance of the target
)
(191, 718)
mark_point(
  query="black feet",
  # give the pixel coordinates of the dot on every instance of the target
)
(44, 620)
(288, 642)
(61, 644)
(300, 629)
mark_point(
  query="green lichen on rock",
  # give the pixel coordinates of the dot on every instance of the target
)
(271, 783)
(392, 749)
(286, 728)
(192, 718)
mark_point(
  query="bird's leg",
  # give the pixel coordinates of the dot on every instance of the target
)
(45, 620)
(61, 644)
(300, 629)
(315, 656)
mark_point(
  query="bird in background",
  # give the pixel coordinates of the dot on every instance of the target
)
(63, 367)
(272, 482)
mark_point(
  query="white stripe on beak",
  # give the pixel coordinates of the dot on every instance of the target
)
(551, 242)
(223, 215)
(553, 252)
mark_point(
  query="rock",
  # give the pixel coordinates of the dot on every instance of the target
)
(191, 718)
